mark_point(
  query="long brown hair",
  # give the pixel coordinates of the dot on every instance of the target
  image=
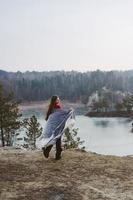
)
(51, 105)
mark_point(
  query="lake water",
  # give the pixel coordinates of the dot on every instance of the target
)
(109, 136)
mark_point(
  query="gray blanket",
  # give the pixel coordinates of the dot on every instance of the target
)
(55, 126)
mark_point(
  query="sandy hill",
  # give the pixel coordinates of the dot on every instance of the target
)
(27, 175)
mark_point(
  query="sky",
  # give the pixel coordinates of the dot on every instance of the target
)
(81, 35)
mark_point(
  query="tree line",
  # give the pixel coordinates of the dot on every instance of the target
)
(72, 86)
(103, 105)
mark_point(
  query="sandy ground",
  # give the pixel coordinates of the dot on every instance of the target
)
(27, 175)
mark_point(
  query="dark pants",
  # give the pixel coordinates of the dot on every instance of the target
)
(58, 149)
(58, 146)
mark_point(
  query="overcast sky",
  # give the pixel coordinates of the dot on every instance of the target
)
(66, 35)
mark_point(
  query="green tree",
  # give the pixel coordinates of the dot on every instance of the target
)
(119, 106)
(104, 105)
(71, 140)
(128, 103)
(100, 106)
(9, 118)
(33, 130)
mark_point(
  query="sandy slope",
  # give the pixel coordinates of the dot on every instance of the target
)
(27, 175)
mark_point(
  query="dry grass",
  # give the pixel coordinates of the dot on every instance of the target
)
(27, 175)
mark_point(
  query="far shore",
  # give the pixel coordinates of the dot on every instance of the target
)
(44, 105)
(33, 104)
(111, 114)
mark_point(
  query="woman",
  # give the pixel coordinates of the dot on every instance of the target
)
(56, 118)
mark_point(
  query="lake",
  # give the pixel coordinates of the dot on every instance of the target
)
(108, 136)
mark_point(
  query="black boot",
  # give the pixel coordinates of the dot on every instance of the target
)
(58, 156)
(46, 151)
